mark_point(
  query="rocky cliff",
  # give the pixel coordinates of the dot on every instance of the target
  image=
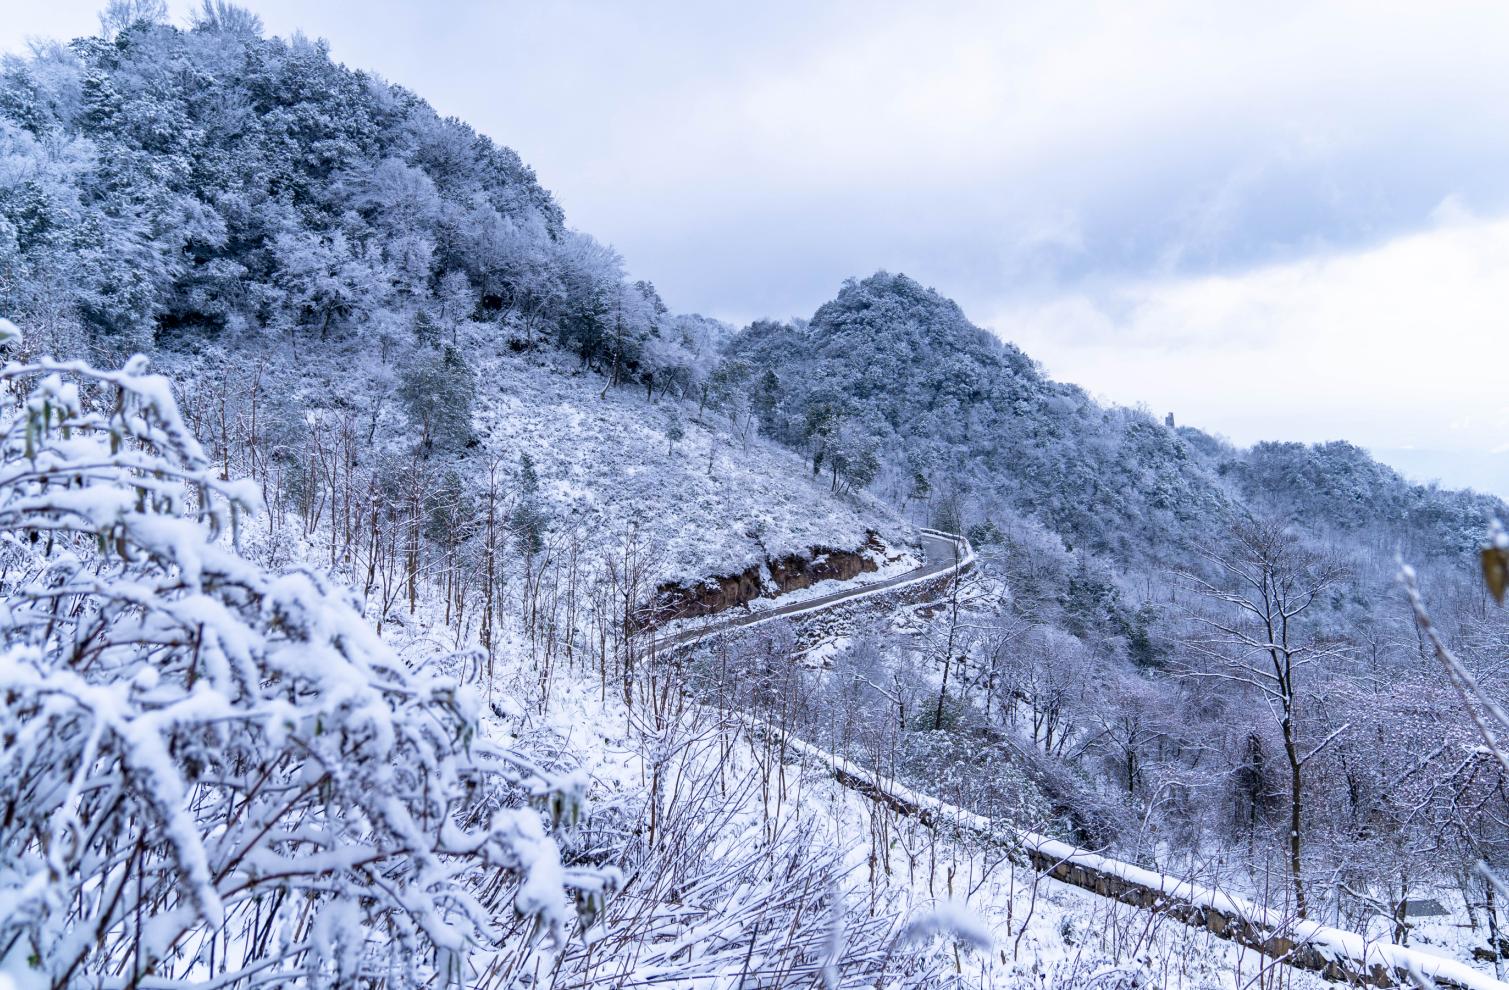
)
(770, 579)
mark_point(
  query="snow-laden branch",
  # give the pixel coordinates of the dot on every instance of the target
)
(1487, 716)
(212, 772)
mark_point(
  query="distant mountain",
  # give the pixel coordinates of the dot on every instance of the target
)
(974, 427)
(231, 201)
(1483, 472)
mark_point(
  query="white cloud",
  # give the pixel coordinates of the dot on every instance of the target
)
(749, 157)
(1400, 346)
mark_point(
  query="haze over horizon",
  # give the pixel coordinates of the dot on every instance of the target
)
(1285, 224)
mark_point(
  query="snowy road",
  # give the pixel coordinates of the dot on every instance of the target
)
(942, 553)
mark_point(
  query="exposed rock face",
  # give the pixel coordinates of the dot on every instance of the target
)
(771, 579)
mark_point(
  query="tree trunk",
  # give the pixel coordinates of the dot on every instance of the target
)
(1490, 908)
(1291, 750)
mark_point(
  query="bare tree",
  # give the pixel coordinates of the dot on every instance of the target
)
(1263, 582)
(119, 15)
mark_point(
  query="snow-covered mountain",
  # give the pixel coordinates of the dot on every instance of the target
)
(343, 653)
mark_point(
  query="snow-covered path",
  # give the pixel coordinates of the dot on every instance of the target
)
(1338, 954)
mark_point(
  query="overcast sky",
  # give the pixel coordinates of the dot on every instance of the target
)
(1278, 221)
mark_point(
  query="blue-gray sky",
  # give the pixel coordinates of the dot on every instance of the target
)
(1281, 221)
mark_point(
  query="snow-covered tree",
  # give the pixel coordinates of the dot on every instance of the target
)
(219, 15)
(119, 15)
(210, 771)
(528, 520)
(437, 390)
(674, 432)
(1260, 641)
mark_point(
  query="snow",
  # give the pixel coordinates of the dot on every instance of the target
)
(145, 656)
(893, 564)
(606, 467)
(1334, 943)
(952, 918)
(1013, 928)
(294, 667)
(1351, 948)
(867, 588)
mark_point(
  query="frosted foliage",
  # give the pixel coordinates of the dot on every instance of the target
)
(213, 772)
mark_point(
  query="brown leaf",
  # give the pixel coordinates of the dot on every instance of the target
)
(1496, 571)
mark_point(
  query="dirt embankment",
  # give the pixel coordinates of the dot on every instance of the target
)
(768, 580)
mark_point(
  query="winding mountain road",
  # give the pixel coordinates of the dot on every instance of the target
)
(1336, 954)
(942, 553)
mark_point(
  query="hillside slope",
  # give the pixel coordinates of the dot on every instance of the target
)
(891, 364)
(709, 503)
(324, 262)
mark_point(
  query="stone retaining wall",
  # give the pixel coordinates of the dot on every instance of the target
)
(1276, 944)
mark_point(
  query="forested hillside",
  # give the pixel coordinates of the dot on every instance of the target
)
(1192, 647)
(971, 427)
(163, 186)
(379, 681)
(327, 261)
(215, 181)
(178, 189)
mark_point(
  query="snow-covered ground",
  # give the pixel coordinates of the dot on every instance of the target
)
(1042, 933)
(714, 504)
(1061, 934)
(606, 464)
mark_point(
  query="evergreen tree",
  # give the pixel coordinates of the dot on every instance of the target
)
(674, 432)
(437, 389)
(529, 521)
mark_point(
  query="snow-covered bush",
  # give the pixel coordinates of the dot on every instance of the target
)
(726, 894)
(210, 771)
